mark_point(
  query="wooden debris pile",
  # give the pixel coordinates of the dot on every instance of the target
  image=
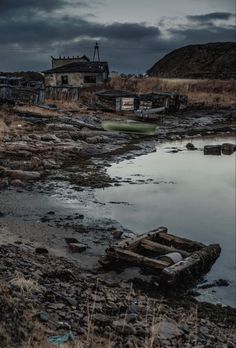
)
(173, 258)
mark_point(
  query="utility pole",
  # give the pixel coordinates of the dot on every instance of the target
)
(96, 52)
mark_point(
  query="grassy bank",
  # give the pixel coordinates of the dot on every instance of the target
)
(213, 93)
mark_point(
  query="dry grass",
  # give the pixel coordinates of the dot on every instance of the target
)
(67, 105)
(5, 122)
(208, 92)
(34, 109)
(3, 128)
(23, 284)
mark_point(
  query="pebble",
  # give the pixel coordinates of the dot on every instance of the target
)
(41, 251)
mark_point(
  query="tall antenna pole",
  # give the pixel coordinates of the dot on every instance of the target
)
(96, 52)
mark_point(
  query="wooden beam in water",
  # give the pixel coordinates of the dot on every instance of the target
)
(136, 259)
(179, 243)
(160, 248)
(132, 243)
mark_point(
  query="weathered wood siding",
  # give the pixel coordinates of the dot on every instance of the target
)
(74, 79)
(62, 93)
(21, 94)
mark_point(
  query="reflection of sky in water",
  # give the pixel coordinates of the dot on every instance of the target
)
(199, 204)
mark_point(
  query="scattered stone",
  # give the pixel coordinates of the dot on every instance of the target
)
(41, 251)
(77, 247)
(44, 317)
(22, 175)
(222, 282)
(102, 319)
(218, 282)
(4, 183)
(190, 146)
(71, 240)
(228, 149)
(17, 183)
(123, 328)
(117, 234)
(167, 330)
(212, 150)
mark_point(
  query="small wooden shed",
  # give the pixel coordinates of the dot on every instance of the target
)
(117, 100)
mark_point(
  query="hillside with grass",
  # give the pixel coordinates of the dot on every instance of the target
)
(207, 61)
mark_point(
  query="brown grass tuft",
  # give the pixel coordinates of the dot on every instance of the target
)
(23, 284)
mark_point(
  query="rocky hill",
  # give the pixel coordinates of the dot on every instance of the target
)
(212, 60)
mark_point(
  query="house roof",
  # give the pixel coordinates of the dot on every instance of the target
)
(85, 67)
(158, 95)
(84, 57)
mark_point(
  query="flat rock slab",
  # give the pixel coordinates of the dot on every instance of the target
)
(77, 247)
(212, 150)
(167, 330)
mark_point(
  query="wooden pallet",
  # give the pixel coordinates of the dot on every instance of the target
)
(145, 251)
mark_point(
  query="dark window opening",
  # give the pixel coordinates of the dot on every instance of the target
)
(64, 80)
(89, 79)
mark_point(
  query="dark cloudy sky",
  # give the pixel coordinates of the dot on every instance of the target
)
(133, 34)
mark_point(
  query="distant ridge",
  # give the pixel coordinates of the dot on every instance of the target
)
(212, 60)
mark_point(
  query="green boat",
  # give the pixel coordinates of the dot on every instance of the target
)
(132, 127)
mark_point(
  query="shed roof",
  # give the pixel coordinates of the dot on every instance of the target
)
(115, 93)
(85, 67)
(158, 95)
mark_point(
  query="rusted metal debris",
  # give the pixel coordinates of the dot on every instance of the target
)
(171, 257)
(17, 89)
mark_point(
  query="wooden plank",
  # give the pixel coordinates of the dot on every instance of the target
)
(160, 248)
(179, 243)
(197, 263)
(132, 243)
(134, 258)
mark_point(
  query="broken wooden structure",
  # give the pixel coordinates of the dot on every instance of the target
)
(144, 105)
(151, 104)
(171, 257)
(17, 89)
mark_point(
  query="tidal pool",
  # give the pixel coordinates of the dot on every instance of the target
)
(191, 194)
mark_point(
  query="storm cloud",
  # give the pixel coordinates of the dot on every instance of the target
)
(209, 17)
(35, 30)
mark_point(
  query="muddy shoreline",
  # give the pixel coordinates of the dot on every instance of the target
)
(73, 155)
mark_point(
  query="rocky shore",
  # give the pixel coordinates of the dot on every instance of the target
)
(42, 296)
(46, 293)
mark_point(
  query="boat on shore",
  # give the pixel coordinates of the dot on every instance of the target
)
(129, 127)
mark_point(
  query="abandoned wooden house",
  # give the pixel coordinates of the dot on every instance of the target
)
(77, 74)
(69, 74)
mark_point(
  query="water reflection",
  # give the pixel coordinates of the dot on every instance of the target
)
(192, 194)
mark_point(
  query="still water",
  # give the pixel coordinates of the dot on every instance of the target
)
(191, 194)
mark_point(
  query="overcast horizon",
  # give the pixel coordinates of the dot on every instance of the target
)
(132, 35)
